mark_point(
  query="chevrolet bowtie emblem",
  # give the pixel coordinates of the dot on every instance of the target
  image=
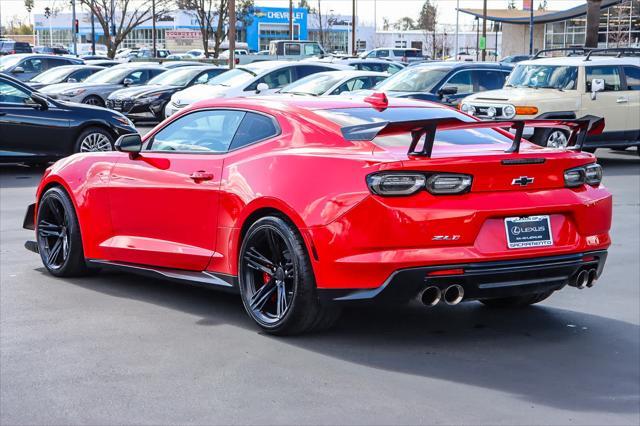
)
(522, 181)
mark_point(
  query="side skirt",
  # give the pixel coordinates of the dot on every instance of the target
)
(218, 281)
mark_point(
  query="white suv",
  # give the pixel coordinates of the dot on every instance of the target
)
(570, 87)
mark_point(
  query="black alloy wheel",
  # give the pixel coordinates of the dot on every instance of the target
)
(276, 280)
(58, 235)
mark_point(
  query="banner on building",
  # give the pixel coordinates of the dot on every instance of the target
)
(183, 40)
(527, 4)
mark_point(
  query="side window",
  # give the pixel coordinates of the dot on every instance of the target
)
(10, 94)
(33, 65)
(137, 76)
(80, 75)
(393, 68)
(633, 77)
(365, 66)
(377, 80)
(610, 75)
(490, 80)
(53, 62)
(462, 81)
(203, 131)
(254, 127)
(152, 73)
(292, 49)
(305, 70)
(383, 53)
(398, 53)
(274, 79)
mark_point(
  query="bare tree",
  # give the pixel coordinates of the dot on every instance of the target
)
(128, 14)
(404, 24)
(221, 12)
(203, 11)
(593, 23)
(427, 21)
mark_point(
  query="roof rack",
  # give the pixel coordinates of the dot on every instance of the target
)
(574, 50)
(621, 51)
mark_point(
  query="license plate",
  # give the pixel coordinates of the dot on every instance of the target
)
(528, 231)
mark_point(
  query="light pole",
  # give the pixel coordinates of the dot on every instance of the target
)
(153, 26)
(531, 28)
(353, 27)
(74, 28)
(291, 37)
(232, 33)
(457, 51)
(484, 30)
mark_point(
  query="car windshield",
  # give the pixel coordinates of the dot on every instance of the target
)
(7, 62)
(53, 75)
(110, 76)
(232, 78)
(175, 77)
(313, 85)
(422, 79)
(539, 76)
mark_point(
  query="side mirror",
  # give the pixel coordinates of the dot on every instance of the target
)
(262, 87)
(131, 143)
(447, 91)
(597, 85)
(127, 82)
(18, 70)
(40, 101)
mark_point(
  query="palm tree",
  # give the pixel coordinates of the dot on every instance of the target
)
(593, 23)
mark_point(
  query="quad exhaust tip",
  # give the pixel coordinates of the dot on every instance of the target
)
(586, 278)
(593, 277)
(431, 296)
(453, 294)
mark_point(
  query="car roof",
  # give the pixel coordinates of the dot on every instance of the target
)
(285, 104)
(578, 61)
(77, 67)
(354, 73)
(463, 65)
(45, 55)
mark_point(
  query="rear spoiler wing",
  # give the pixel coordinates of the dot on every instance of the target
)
(578, 128)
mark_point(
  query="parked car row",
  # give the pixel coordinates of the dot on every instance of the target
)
(539, 88)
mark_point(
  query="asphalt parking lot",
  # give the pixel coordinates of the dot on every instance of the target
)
(121, 349)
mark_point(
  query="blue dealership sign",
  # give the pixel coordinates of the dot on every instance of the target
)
(271, 23)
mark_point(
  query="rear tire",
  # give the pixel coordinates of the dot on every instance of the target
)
(276, 280)
(551, 138)
(58, 235)
(517, 301)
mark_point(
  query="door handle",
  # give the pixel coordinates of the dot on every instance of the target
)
(201, 176)
(622, 100)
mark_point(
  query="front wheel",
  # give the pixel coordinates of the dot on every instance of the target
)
(93, 100)
(277, 283)
(58, 235)
(552, 138)
(94, 139)
(517, 301)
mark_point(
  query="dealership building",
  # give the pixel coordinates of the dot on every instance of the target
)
(179, 30)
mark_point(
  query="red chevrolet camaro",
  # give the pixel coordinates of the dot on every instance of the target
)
(304, 205)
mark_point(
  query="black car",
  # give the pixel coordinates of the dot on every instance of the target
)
(55, 50)
(10, 47)
(36, 129)
(148, 101)
(63, 74)
(445, 82)
(26, 66)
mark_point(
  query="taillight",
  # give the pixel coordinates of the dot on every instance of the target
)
(398, 183)
(447, 183)
(590, 174)
(395, 183)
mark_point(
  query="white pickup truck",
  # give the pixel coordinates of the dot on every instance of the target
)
(285, 50)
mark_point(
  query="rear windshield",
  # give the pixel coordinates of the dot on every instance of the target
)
(345, 117)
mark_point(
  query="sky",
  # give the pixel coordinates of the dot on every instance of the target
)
(391, 9)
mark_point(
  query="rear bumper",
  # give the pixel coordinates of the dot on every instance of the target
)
(480, 280)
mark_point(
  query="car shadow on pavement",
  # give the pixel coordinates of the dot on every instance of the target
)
(544, 355)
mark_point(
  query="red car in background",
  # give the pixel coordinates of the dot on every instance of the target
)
(303, 205)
